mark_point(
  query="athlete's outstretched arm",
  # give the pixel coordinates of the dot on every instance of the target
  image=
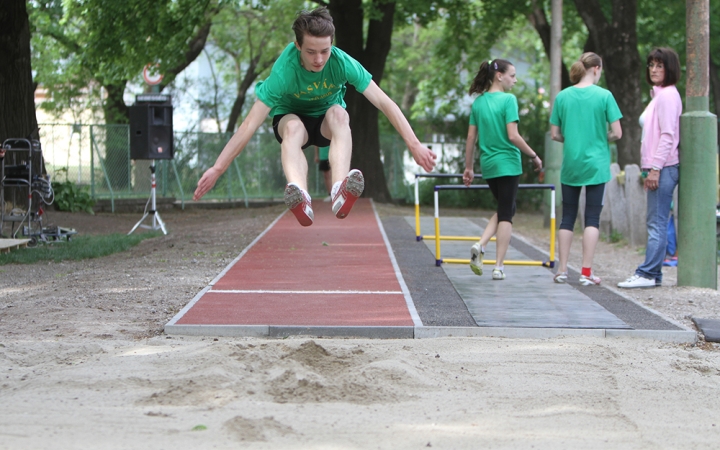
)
(232, 149)
(423, 155)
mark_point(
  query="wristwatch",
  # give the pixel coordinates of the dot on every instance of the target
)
(655, 168)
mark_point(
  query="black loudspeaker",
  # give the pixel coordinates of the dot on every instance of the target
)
(151, 127)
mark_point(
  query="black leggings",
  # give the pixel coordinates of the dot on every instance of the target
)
(504, 189)
(571, 201)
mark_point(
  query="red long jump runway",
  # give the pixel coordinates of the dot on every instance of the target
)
(334, 278)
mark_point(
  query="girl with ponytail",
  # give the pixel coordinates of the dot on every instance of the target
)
(494, 129)
(580, 119)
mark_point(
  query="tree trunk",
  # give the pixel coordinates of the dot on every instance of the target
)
(539, 21)
(348, 18)
(17, 91)
(251, 74)
(616, 43)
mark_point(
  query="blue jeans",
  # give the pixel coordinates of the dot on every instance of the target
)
(658, 212)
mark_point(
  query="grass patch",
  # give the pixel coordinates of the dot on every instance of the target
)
(80, 247)
(615, 237)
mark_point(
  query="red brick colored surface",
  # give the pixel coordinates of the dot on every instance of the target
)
(331, 255)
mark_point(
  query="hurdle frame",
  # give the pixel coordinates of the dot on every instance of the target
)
(438, 260)
(418, 236)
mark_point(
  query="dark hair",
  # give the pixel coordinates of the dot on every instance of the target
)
(486, 74)
(318, 23)
(670, 62)
(579, 68)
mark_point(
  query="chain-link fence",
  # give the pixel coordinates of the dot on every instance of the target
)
(98, 157)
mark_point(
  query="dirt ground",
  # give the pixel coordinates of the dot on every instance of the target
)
(84, 362)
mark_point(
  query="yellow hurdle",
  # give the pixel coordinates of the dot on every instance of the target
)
(492, 261)
(437, 237)
(418, 236)
(455, 238)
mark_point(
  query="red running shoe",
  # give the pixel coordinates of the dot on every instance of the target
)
(350, 190)
(299, 203)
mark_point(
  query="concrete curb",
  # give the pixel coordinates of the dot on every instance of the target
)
(279, 331)
(677, 337)
(274, 331)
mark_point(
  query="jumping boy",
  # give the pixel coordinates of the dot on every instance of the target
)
(304, 93)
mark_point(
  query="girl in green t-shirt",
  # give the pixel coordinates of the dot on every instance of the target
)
(580, 119)
(493, 127)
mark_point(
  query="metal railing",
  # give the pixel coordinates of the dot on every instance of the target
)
(98, 157)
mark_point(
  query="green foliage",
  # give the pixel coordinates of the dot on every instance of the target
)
(80, 247)
(247, 38)
(453, 61)
(71, 197)
(615, 237)
(80, 45)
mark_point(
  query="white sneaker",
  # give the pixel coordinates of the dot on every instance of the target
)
(636, 281)
(344, 197)
(299, 203)
(476, 259)
(591, 280)
(498, 274)
(560, 277)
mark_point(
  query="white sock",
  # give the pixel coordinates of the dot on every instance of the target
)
(500, 267)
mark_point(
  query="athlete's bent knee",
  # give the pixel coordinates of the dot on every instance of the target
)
(293, 127)
(337, 115)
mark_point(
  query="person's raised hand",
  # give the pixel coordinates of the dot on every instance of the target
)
(207, 181)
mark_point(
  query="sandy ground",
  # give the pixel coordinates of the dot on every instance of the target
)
(84, 364)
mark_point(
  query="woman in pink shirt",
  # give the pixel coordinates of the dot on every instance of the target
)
(659, 158)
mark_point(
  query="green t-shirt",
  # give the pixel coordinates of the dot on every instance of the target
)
(583, 115)
(290, 88)
(490, 113)
(323, 153)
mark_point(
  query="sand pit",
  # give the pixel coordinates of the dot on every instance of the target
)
(84, 364)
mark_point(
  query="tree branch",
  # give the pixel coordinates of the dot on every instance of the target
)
(379, 40)
(64, 40)
(196, 46)
(595, 21)
(538, 19)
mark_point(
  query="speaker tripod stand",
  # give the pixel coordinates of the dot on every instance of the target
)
(157, 223)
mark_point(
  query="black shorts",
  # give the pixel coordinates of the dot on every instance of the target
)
(594, 196)
(312, 126)
(504, 189)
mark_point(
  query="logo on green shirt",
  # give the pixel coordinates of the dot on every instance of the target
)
(315, 86)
